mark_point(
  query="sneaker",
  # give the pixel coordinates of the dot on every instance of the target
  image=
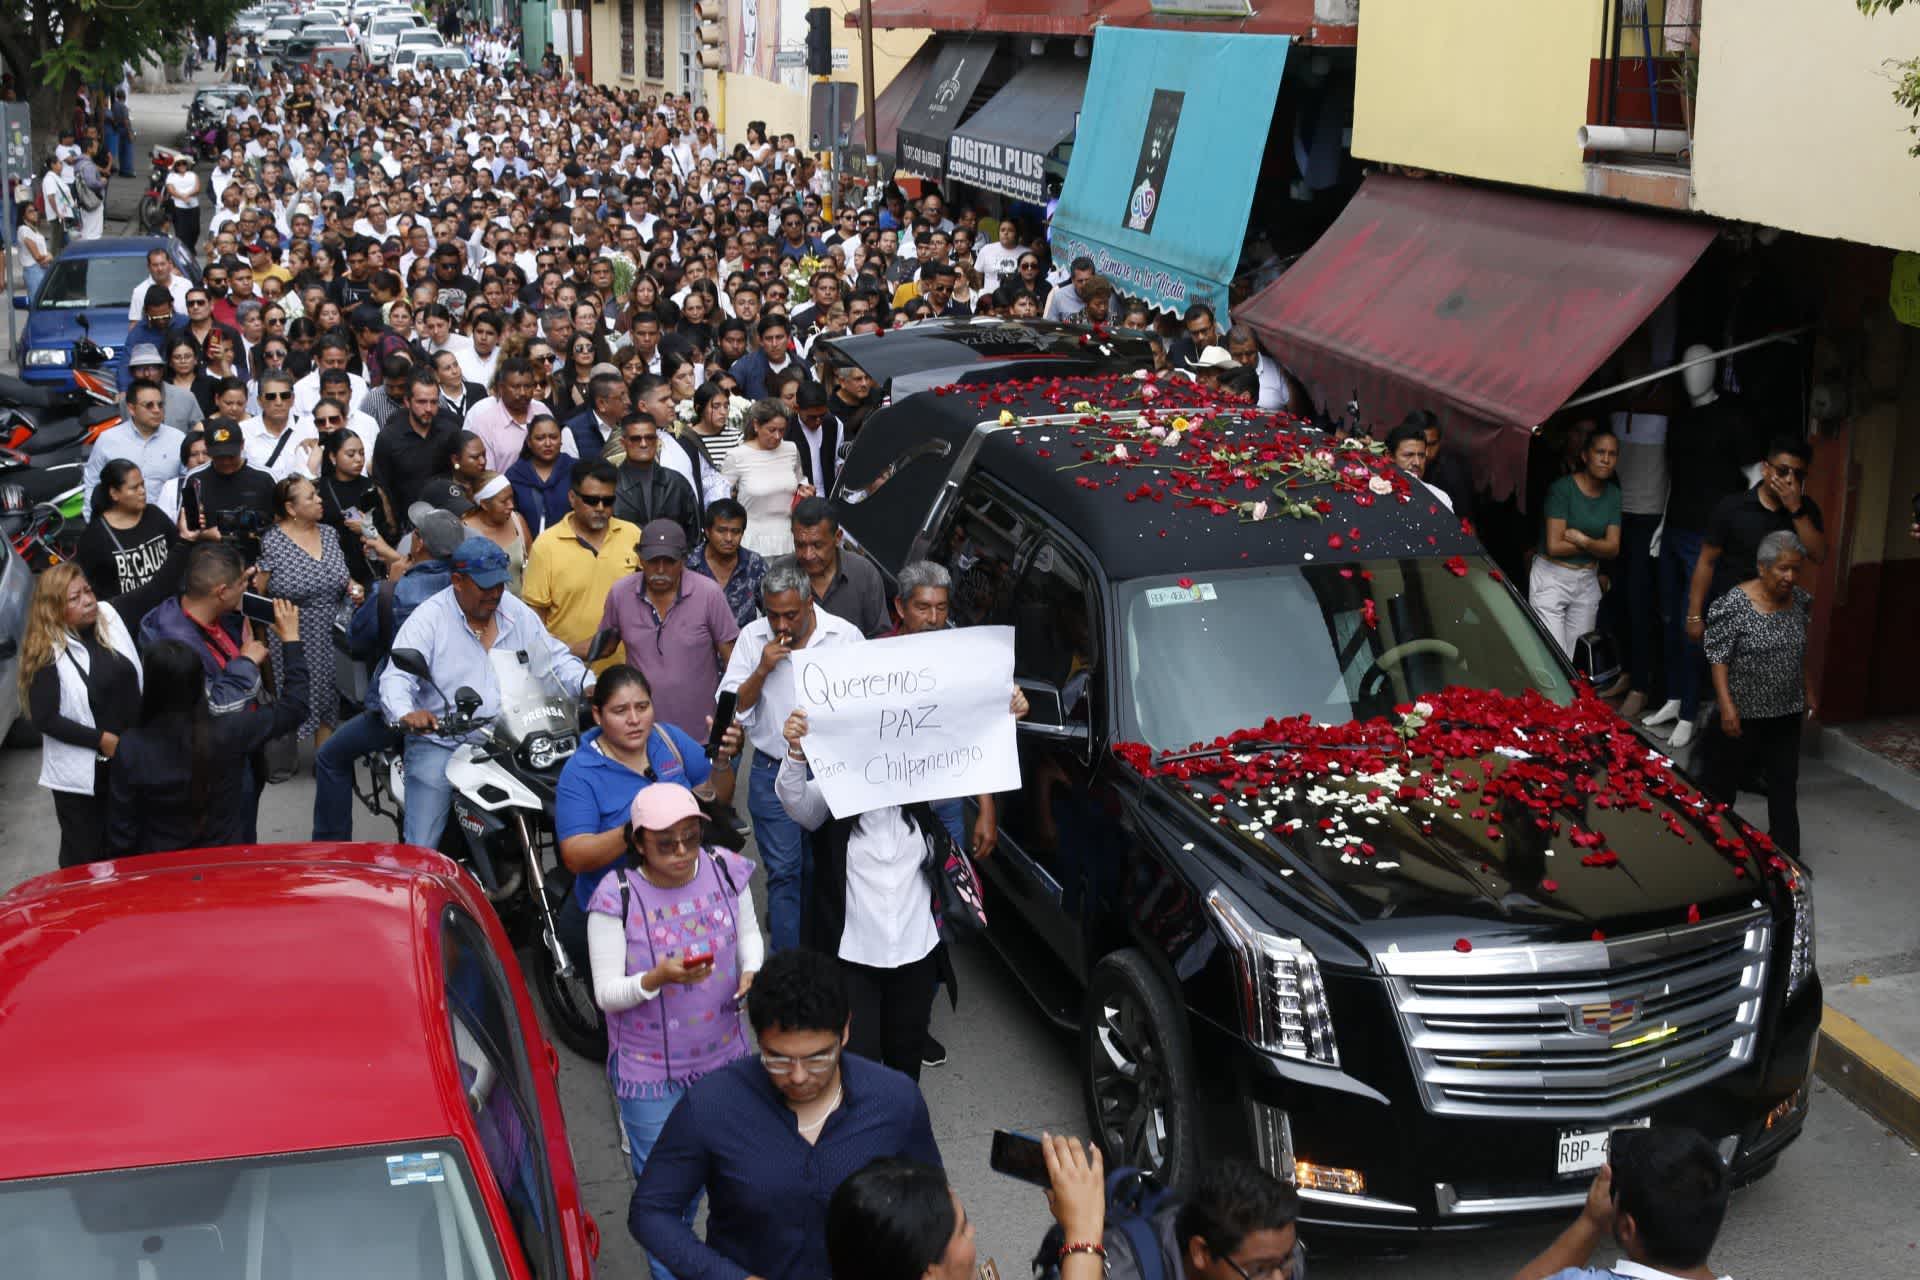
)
(933, 1053)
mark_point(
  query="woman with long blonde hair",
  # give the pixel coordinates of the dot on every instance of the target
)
(80, 682)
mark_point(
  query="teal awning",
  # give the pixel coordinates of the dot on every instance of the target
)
(1165, 159)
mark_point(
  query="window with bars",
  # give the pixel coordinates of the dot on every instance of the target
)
(626, 37)
(656, 40)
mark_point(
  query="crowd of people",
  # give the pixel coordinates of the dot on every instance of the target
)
(501, 362)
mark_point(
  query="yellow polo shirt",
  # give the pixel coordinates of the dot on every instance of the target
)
(567, 581)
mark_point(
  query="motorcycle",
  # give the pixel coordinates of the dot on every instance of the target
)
(503, 775)
(153, 216)
(42, 533)
(42, 422)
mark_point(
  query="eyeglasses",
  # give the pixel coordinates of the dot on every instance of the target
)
(670, 843)
(643, 440)
(1798, 473)
(276, 395)
(333, 421)
(276, 319)
(1264, 1269)
(816, 1064)
(592, 500)
(1029, 266)
(196, 302)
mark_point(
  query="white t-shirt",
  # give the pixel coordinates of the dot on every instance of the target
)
(38, 240)
(996, 262)
(185, 190)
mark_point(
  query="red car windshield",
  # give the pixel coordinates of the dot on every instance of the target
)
(393, 1212)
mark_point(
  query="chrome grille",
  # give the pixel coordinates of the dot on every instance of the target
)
(1596, 1030)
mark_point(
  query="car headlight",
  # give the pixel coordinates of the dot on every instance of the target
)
(1283, 1001)
(48, 358)
(543, 751)
(1800, 957)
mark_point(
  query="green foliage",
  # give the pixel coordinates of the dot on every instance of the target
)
(1906, 71)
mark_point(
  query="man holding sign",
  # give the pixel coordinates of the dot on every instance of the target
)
(760, 673)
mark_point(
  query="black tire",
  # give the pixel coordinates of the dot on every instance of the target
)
(1136, 1067)
(153, 217)
(572, 1015)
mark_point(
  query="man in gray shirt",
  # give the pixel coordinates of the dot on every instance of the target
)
(848, 587)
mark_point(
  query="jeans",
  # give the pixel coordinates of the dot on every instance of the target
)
(429, 794)
(120, 147)
(951, 814)
(1686, 661)
(1567, 600)
(643, 1118)
(34, 273)
(1772, 743)
(785, 852)
(363, 735)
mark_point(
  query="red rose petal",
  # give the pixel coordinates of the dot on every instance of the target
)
(1462, 945)
(1550, 886)
(1693, 914)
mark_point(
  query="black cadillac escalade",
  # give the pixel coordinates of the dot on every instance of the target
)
(1436, 1032)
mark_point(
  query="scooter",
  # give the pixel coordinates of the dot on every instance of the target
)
(42, 421)
(503, 776)
(153, 214)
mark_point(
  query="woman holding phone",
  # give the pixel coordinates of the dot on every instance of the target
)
(674, 945)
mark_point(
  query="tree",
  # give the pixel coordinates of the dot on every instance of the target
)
(1906, 71)
(55, 46)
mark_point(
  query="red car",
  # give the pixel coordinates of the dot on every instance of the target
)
(279, 1061)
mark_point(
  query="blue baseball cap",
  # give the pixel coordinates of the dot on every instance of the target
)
(481, 560)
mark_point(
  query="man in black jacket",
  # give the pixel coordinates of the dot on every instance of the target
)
(647, 491)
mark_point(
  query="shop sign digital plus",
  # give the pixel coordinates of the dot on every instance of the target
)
(1014, 171)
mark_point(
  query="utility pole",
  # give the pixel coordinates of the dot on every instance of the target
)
(866, 101)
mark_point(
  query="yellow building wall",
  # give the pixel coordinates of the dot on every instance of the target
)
(1796, 126)
(784, 109)
(604, 15)
(1484, 88)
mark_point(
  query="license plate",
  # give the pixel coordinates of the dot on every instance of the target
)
(1584, 1150)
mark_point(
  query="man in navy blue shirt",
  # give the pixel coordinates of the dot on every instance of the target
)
(754, 371)
(769, 1137)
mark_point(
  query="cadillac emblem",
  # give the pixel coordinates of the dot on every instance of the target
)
(1606, 1017)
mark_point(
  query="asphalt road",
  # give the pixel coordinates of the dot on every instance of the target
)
(1845, 1200)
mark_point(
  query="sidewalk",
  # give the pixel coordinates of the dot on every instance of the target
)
(1858, 811)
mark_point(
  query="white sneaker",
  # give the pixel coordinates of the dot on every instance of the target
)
(1682, 734)
(1669, 712)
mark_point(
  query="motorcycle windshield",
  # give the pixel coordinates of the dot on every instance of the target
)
(532, 699)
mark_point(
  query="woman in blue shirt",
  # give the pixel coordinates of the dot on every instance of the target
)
(541, 475)
(626, 752)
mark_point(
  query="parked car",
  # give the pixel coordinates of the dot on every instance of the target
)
(299, 51)
(421, 41)
(381, 34)
(444, 61)
(1233, 866)
(385, 1105)
(94, 278)
(16, 594)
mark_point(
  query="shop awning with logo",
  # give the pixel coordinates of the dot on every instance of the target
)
(1004, 147)
(1487, 307)
(1166, 158)
(890, 107)
(941, 105)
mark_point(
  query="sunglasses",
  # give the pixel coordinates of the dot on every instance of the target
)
(196, 302)
(643, 439)
(276, 395)
(1798, 473)
(603, 500)
(333, 421)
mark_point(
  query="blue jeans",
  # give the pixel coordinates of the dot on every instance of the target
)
(1686, 661)
(783, 850)
(429, 794)
(951, 815)
(333, 773)
(1634, 599)
(643, 1118)
(120, 147)
(34, 273)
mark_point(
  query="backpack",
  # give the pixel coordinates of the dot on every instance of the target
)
(85, 197)
(1133, 1198)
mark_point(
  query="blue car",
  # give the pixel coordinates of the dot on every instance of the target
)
(94, 278)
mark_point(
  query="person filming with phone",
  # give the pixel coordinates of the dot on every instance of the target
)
(674, 945)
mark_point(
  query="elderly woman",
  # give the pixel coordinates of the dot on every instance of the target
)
(1757, 645)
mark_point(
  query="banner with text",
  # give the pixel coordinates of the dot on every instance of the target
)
(909, 718)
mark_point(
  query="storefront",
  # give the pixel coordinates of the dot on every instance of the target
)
(1168, 152)
(946, 97)
(1014, 144)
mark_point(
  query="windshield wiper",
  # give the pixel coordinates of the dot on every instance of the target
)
(1239, 748)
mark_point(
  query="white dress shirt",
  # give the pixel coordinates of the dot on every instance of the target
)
(291, 458)
(765, 721)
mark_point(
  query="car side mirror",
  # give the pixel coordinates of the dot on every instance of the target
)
(1046, 714)
(19, 302)
(413, 662)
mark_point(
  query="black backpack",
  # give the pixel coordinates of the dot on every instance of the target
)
(1133, 1197)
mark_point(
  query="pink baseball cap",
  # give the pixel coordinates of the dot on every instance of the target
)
(660, 805)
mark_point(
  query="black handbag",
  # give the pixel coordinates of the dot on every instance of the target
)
(958, 904)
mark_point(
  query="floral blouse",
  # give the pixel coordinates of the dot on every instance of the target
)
(1764, 653)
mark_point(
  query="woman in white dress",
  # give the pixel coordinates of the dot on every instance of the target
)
(766, 477)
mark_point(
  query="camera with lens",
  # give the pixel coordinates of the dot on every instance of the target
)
(241, 522)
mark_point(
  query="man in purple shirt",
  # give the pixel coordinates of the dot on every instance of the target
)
(676, 627)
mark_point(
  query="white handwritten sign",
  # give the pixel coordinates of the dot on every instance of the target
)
(921, 717)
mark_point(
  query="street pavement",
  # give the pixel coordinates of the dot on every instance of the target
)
(1842, 1202)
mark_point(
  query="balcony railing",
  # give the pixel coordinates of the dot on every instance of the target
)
(1640, 97)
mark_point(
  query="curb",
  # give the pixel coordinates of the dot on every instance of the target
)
(1870, 1072)
(1848, 756)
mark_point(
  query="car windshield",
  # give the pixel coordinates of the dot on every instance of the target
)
(389, 26)
(74, 283)
(1209, 654)
(399, 1213)
(325, 35)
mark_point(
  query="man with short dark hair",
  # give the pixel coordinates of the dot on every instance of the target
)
(847, 586)
(720, 556)
(413, 448)
(1239, 1222)
(144, 439)
(1065, 298)
(1778, 503)
(577, 560)
(732, 1135)
(648, 491)
(754, 371)
(1201, 333)
(1661, 1197)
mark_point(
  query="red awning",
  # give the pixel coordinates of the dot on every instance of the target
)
(1488, 307)
(1080, 17)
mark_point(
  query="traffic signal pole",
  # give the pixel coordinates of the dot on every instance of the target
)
(866, 100)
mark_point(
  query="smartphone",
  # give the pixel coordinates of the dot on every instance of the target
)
(722, 721)
(1019, 1155)
(257, 608)
(698, 955)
